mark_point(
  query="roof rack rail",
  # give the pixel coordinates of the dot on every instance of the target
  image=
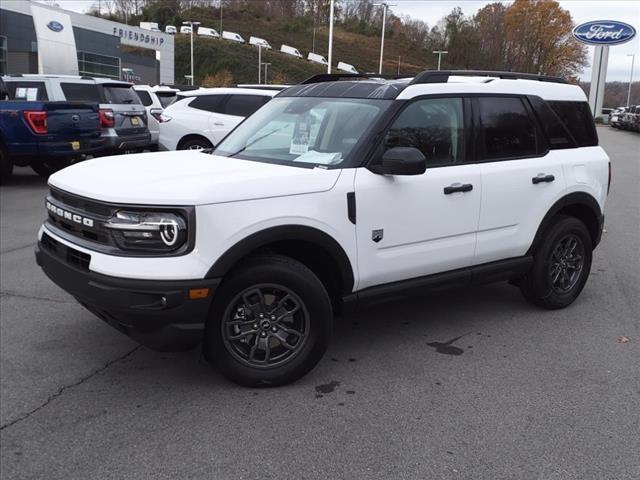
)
(442, 76)
(334, 77)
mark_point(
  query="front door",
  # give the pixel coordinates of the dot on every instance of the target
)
(411, 226)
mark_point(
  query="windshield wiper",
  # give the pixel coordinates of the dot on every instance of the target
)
(257, 140)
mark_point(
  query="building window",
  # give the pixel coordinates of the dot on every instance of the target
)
(93, 64)
(3, 55)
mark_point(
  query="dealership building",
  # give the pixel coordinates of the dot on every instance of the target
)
(36, 38)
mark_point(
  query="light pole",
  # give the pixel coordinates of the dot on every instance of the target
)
(330, 37)
(385, 6)
(266, 69)
(633, 59)
(192, 25)
(440, 53)
(220, 18)
(259, 64)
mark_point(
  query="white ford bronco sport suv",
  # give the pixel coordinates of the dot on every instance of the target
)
(335, 192)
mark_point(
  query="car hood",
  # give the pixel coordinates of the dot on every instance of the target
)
(187, 177)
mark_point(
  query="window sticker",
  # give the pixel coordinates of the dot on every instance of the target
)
(301, 136)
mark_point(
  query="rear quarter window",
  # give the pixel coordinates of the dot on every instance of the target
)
(577, 118)
(166, 99)
(145, 98)
(81, 92)
(120, 95)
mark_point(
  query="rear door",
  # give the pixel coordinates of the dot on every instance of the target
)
(233, 110)
(521, 177)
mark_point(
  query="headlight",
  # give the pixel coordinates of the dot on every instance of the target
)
(151, 231)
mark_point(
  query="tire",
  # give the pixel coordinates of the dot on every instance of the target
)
(561, 265)
(195, 144)
(239, 351)
(49, 166)
(6, 167)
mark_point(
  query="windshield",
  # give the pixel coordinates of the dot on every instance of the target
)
(303, 130)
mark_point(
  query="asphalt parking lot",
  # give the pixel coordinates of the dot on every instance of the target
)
(466, 385)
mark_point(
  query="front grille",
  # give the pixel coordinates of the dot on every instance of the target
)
(82, 204)
(65, 253)
(72, 214)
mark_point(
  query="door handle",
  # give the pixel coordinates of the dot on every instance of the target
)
(218, 124)
(542, 178)
(458, 187)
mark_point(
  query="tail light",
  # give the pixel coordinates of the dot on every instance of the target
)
(157, 114)
(609, 182)
(37, 120)
(107, 119)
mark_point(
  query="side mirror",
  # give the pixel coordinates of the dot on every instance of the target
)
(401, 161)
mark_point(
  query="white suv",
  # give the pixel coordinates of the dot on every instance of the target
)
(201, 118)
(334, 193)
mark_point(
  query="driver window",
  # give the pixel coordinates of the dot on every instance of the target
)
(435, 126)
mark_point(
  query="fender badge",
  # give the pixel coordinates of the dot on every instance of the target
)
(376, 235)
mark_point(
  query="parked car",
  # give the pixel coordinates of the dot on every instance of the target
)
(170, 29)
(346, 67)
(289, 50)
(166, 95)
(257, 41)
(185, 30)
(627, 119)
(46, 136)
(234, 37)
(122, 116)
(316, 58)
(149, 26)
(201, 118)
(332, 195)
(208, 32)
(154, 109)
(615, 116)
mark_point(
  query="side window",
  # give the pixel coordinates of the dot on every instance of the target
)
(577, 117)
(29, 91)
(507, 130)
(145, 98)
(209, 103)
(556, 133)
(80, 92)
(435, 126)
(244, 105)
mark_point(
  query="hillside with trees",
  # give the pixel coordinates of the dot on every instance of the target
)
(526, 35)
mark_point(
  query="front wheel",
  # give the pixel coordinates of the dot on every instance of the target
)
(270, 323)
(561, 266)
(196, 144)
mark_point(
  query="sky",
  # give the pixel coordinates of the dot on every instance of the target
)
(431, 11)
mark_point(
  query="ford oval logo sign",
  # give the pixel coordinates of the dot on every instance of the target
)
(55, 26)
(604, 32)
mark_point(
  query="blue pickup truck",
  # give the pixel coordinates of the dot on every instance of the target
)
(46, 136)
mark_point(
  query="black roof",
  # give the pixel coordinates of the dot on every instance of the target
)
(373, 88)
(371, 85)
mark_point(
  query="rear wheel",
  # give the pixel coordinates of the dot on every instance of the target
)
(49, 166)
(270, 324)
(562, 263)
(6, 166)
(196, 144)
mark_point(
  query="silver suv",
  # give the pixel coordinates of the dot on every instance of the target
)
(122, 116)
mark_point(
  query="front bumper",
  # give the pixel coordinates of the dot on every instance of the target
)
(157, 314)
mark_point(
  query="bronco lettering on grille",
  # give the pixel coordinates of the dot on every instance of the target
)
(74, 217)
